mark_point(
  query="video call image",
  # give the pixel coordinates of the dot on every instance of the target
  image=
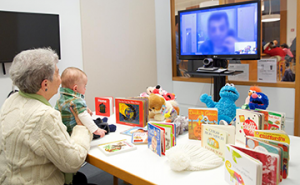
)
(219, 31)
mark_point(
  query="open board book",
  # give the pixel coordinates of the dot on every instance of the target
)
(247, 166)
(116, 147)
(161, 137)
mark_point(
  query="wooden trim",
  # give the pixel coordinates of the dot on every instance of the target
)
(193, 79)
(297, 88)
(173, 38)
(264, 84)
(116, 172)
(248, 83)
(283, 21)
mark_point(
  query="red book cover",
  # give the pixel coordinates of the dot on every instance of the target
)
(270, 162)
(130, 112)
(103, 106)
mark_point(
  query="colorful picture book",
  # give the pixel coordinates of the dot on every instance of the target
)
(104, 106)
(241, 168)
(170, 133)
(214, 139)
(286, 149)
(132, 130)
(276, 120)
(275, 135)
(139, 138)
(247, 122)
(116, 147)
(256, 144)
(156, 140)
(132, 111)
(270, 164)
(199, 116)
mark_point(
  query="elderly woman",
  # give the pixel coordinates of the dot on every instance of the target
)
(35, 147)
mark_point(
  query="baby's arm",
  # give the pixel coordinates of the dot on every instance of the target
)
(89, 111)
(87, 121)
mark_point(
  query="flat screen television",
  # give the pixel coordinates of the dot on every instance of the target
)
(230, 31)
(21, 31)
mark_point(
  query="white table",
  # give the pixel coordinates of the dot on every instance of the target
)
(143, 166)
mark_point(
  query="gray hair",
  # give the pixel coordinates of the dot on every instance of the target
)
(31, 67)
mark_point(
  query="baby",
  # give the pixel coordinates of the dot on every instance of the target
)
(72, 93)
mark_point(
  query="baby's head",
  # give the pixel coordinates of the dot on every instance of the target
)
(75, 79)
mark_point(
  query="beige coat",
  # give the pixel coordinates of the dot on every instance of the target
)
(35, 147)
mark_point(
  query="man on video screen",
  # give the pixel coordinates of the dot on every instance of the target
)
(218, 33)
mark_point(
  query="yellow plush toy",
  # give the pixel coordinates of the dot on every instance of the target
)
(158, 107)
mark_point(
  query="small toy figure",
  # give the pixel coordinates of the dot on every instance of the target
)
(253, 89)
(259, 101)
(226, 105)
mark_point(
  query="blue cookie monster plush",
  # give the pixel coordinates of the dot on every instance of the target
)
(258, 101)
(226, 105)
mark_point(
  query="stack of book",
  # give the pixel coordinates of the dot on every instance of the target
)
(264, 159)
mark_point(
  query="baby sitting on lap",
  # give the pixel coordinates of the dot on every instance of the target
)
(72, 93)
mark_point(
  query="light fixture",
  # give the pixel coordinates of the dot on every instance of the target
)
(270, 17)
(208, 3)
(262, 5)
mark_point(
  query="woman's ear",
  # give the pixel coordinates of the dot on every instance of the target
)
(44, 85)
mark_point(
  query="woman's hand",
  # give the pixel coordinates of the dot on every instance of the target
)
(76, 116)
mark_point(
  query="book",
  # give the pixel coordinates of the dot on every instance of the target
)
(132, 111)
(275, 135)
(155, 139)
(276, 120)
(116, 147)
(170, 133)
(214, 139)
(241, 168)
(286, 149)
(199, 116)
(104, 106)
(139, 137)
(130, 131)
(270, 164)
(266, 119)
(247, 122)
(230, 129)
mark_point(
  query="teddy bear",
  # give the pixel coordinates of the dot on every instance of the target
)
(158, 106)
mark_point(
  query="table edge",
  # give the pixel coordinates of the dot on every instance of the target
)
(117, 172)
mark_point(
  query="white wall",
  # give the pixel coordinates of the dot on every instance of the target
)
(119, 48)
(70, 33)
(188, 94)
(291, 20)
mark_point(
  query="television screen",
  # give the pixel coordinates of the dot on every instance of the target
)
(223, 32)
(22, 31)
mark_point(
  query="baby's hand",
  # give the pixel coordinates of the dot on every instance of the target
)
(89, 111)
(100, 132)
